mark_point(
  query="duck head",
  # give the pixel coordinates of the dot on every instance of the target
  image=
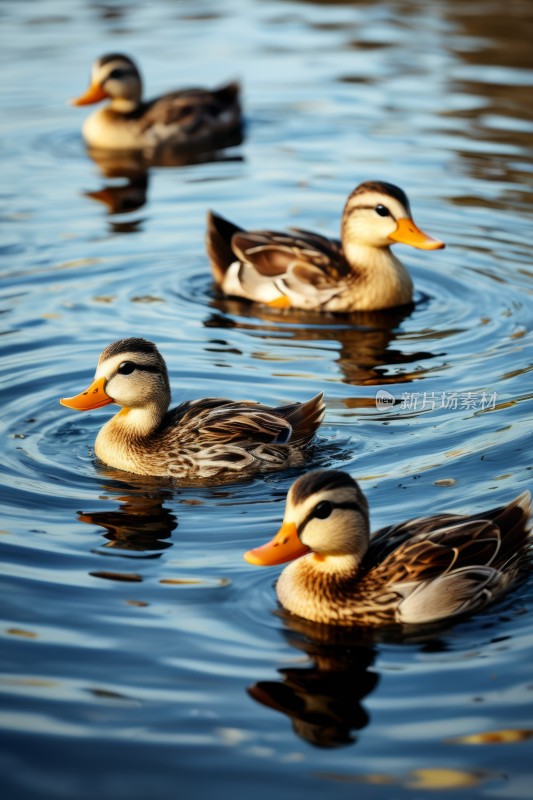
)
(326, 514)
(116, 77)
(377, 214)
(131, 373)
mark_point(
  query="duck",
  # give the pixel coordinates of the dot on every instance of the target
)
(197, 439)
(424, 570)
(304, 270)
(197, 117)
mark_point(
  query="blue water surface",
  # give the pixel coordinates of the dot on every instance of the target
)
(141, 657)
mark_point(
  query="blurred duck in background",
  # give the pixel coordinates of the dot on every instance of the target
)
(184, 118)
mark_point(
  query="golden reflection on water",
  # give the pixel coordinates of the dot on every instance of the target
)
(508, 736)
(437, 778)
(364, 355)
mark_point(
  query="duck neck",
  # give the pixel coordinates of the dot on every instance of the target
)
(312, 578)
(340, 566)
(138, 422)
(314, 586)
(379, 277)
(124, 440)
(124, 105)
(365, 259)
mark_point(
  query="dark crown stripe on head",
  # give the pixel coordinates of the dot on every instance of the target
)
(114, 57)
(130, 346)
(315, 482)
(383, 188)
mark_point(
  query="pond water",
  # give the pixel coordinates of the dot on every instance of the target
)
(141, 656)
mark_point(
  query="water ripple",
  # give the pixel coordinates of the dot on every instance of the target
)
(134, 636)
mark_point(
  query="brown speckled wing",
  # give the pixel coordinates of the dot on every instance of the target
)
(245, 426)
(273, 254)
(191, 109)
(386, 540)
(474, 542)
(427, 555)
(211, 435)
(217, 421)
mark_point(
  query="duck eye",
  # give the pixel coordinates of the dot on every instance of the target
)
(383, 211)
(323, 509)
(116, 74)
(126, 368)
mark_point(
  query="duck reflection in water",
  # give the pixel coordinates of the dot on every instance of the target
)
(323, 700)
(126, 192)
(141, 522)
(127, 174)
(364, 355)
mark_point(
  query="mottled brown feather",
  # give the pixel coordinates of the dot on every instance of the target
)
(272, 252)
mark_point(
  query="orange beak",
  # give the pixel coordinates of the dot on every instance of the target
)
(93, 397)
(94, 94)
(408, 233)
(285, 546)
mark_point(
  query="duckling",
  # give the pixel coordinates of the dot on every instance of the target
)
(186, 117)
(419, 571)
(198, 438)
(304, 270)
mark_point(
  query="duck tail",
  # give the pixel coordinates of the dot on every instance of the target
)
(304, 419)
(218, 244)
(514, 522)
(228, 94)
